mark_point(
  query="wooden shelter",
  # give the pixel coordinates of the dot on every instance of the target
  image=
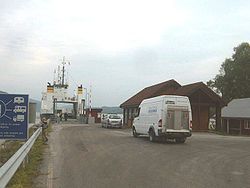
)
(236, 117)
(201, 97)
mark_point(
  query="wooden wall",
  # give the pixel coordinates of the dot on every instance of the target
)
(200, 104)
(200, 117)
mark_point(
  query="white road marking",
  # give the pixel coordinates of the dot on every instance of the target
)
(123, 133)
(237, 173)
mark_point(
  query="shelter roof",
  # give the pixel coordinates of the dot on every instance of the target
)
(237, 108)
(149, 92)
(188, 90)
(171, 87)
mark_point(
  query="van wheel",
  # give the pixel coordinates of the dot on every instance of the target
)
(135, 133)
(180, 140)
(151, 135)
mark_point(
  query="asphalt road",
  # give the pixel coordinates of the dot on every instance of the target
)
(93, 157)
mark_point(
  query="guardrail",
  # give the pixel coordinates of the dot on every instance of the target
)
(11, 166)
(29, 126)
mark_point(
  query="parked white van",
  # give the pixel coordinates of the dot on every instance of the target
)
(166, 116)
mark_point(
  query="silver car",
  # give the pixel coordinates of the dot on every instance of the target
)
(112, 121)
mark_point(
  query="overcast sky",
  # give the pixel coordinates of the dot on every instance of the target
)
(118, 47)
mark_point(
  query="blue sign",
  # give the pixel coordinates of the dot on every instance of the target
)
(14, 116)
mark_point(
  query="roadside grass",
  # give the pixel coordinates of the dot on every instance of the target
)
(26, 173)
(8, 149)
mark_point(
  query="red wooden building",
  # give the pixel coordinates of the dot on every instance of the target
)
(201, 97)
(96, 113)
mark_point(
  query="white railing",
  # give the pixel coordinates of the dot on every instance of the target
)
(11, 166)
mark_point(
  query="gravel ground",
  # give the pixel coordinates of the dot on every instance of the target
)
(91, 156)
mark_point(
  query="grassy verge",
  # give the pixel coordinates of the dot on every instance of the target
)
(24, 176)
(8, 149)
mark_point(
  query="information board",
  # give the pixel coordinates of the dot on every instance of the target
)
(14, 116)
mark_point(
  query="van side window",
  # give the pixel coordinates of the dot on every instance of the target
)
(138, 112)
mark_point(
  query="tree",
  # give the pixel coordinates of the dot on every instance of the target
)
(233, 80)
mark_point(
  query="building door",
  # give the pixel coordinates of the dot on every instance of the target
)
(200, 116)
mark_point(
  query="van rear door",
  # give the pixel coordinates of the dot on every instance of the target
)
(177, 118)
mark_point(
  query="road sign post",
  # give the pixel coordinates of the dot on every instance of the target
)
(14, 110)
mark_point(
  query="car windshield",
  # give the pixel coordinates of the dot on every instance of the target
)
(114, 117)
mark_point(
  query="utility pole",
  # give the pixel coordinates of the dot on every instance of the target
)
(86, 96)
(90, 98)
(63, 70)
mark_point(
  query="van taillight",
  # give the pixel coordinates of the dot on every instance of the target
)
(190, 125)
(160, 123)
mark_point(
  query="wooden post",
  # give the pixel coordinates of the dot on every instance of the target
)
(218, 118)
(124, 116)
(221, 121)
(199, 111)
(240, 127)
(228, 128)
